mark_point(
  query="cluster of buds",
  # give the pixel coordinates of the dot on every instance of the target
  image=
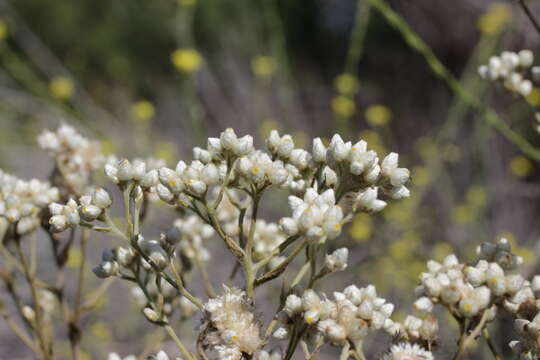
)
(527, 326)
(510, 69)
(358, 168)
(347, 318)
(232, 328)
(76, 157)
(142, 173)
(73, 213)
(471, 290)
(315, 216)
(21, 201)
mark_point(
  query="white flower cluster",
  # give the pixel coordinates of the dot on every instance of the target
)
(470, 290)
(348, 317)
(236, 330)
(358, 168)
(143, 173)
(76, 157)
(527, 326)
(192, 232)
(510, 68)
(337, 261)
(88, 209)
(21, 200)
(315, 216)
(407, 351)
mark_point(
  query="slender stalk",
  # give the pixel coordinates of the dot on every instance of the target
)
(21, 334)
(38, 328)
(466, 339)
(179, 343)
(77, 306)
(491, 346)
(530, 15)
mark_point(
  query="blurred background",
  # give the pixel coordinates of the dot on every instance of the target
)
(159, 77)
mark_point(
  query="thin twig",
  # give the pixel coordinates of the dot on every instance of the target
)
(529, 14)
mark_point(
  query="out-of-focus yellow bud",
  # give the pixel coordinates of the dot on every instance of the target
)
(463, 214)
(346, 84)
(426, 147)
(476, 196)
(4, 30)
(343, 106)
(520, 166)
(534, 97)
(362, 228)
(378, 115)
(494, 20)
(143, 110)
(74, 259)
(61, 88)
(263, 66)
(186, 60)
(421, 176)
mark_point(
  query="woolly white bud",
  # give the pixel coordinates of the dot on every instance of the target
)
(125, 170)
(101, 198)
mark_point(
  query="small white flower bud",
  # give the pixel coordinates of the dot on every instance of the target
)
(56, 209)
(365, 310)
(281, 334)
(150, 179)
(423, 304)
(111, 172)
(58, 223)
(526, 58)
(319, 151)
(28, 313)
(288, 226)
(139, 170)
(228, 139)
(150, 314)
(90, 212)
(101, 198)
(337, 261)
(293, 305)
(125, 170)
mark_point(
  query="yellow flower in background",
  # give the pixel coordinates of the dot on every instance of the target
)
(61, 88)
(143, 110)
(378, 115)
(463, 214)
(4, 30)
(476, 196)
(346, 84)
(534, 97)
(108, 147)
(74, 259)
(263, 66)
(494, 20)
(520, 166)
(343, 106)
(186, 60)
(362, 227)
(187, 3)
(441, 250)
(421, 176)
